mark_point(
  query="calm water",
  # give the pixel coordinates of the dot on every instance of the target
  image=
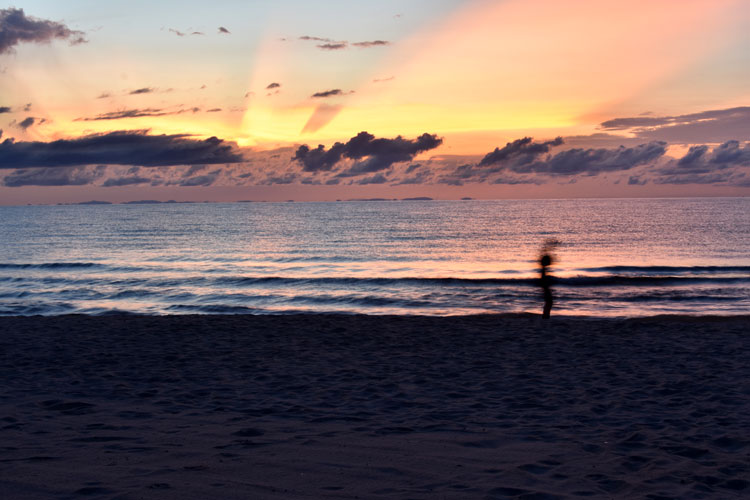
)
(627, 257)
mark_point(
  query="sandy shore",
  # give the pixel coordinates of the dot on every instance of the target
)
(289, 407)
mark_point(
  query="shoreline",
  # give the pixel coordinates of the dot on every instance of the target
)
(335, 314)
(372, 407)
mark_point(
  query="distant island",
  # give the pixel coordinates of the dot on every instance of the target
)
(156, 202)
(147, 202)
(92, 202)
(370, 199)
(418, 198)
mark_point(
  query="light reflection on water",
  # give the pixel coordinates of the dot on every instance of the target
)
(617, 258)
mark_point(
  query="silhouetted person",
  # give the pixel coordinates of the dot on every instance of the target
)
(544, 282)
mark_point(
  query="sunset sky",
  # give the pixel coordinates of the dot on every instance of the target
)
(291, 99)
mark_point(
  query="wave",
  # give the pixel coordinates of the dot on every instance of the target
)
(672, 270)
(212, 309)
(160, 283)
(578, 281)
(52, 265)
(620, 280)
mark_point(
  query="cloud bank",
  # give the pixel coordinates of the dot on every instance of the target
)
(711, 126)
(370, 154)
(728, 163)
(521, 150)
(524, 161)
(118, 148)
(65, 176)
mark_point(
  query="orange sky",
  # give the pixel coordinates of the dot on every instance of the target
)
(476, 74)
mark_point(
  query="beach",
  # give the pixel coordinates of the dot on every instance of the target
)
(372, 407)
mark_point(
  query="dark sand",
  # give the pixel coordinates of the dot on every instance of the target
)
(325, 406)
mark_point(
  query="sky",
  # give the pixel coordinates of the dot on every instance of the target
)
(316, 101)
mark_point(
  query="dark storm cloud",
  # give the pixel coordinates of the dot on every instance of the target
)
(121, 148)
(26, 122)
(66, 176)
(694, 156)
(274, 85)
(376, 154)
(224, 31)
(380, 154)
(318, 159)
(523, 161)
(144, 90)
(126, 113)
(594, 161)
(4, 109)
(728, 163)
(516, 154)
(327, 93)
(16, 27)
(731, 153)
(333, 46)
(136, 113)
(374, 43)
(717, 125)
(524, 150)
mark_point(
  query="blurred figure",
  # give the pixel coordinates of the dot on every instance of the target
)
(545, 279)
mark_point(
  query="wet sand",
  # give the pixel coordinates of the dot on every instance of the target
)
(374, 407)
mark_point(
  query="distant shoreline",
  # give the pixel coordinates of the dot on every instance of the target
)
(352, 200)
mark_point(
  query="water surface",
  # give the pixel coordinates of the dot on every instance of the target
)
(623, 257)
